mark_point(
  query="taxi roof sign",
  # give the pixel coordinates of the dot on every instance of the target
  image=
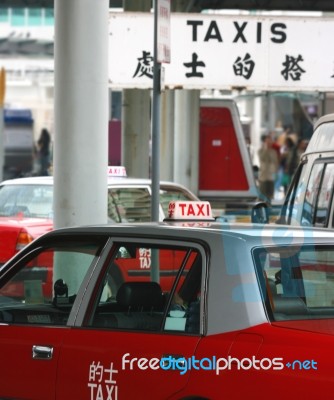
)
(190, 210)
(116, 171)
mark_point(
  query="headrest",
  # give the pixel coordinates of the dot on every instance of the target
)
(139, 294)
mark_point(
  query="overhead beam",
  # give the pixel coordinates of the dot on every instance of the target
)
(26, 3)
(284, 5)
(198, 5)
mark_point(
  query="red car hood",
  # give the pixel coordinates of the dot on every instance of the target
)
(325, 326)
(11, 227)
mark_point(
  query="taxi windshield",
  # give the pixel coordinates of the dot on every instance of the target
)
(133, 204)
(168, 194)
(297, 282)
(33, 201)
(129, 204)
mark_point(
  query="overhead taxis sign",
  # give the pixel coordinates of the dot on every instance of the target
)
(225, 52)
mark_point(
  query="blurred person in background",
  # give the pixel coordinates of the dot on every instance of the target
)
(290, 161)
(43, 154)
(301, 147)
(277, 147)
(269, 164)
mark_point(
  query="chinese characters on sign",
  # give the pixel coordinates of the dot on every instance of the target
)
(242, 67)
(193, 65)
(145, 65)
(222, 52)
(292, 68)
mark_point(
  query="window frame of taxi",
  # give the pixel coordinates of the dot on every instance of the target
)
(86, 319)
(295, 294)
(295, 205)
(73, 308)
(292, 196)
(41, 309)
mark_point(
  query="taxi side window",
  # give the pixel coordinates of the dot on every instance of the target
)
(43, 288)
(297, 281)
(325, 196)
(318, 197)
(129, 299)
(294, 197)
(311, 196)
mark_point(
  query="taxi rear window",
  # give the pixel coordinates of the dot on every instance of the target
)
(297, 282)
(30, 200)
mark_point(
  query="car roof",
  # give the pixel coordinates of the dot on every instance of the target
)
(31, 180)
(48, 180)
(251, 234)
(324, 119)
(322, 139)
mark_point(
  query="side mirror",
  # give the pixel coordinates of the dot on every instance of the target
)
(260, 213)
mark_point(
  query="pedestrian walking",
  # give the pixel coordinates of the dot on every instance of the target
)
(43, 154)
(290, 162)
(268, 167)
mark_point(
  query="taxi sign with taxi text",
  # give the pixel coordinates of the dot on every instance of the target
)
(185, 210)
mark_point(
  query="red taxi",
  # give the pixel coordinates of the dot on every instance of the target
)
(248, 310)
(26, 208)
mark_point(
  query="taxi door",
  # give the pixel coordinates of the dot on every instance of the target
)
(29, 358)
(33, 321)
(97, 364)
(132, 347)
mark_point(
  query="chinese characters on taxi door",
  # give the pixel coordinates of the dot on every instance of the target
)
(102, 382)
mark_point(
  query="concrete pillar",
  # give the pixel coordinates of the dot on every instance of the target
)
(258, 130)
(248, 105)
(271, 113)
(194, 122)
(167, 136)
(186, 139)
(136, 122)
(81, 112)
(186, 125)
(136, 132)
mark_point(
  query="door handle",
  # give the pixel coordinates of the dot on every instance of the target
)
(42, 352)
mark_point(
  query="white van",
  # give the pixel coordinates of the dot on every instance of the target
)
(309, 200)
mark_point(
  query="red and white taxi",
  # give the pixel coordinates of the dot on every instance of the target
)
(205, 310)
(26, 207)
